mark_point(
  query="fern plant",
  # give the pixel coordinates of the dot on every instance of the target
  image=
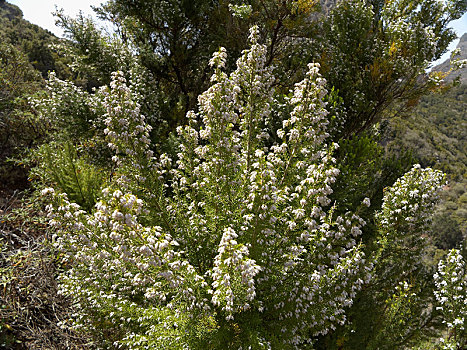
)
(59, 163)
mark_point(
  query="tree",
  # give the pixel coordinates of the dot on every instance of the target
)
(376, 52)
(19, 126)
(373, 53)
(30, 39)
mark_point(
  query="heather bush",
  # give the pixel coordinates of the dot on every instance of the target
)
(235, 243)
(451, 286)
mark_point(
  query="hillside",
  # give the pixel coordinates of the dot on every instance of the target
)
(29, 38)
(446, 65)
(436, 132)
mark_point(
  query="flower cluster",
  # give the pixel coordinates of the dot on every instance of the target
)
(281, 251)
(405, 214)
(120, 258)
(451, 287)
(230, 269)
(407, 205)
(127, 131)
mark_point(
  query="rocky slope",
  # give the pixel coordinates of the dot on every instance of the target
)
(446, 65)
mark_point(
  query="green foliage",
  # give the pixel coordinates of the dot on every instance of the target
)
(361, 170)
(18, 81)
(375, 53)
(200, 252)
(391, 311)
(175, 41)
(76, 118)
(435, 130)
(392, 318)
(93, 55)
(365, 171)
(20, 127)
(446, 232)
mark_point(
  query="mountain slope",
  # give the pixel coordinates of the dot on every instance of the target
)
(31, 39)
(446, 65)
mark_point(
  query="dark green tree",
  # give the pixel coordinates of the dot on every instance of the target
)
(373, 53)
(20, 127)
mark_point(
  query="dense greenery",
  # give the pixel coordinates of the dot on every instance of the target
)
(244, 247)
(26, 57)
(240, 197)
(19, 126)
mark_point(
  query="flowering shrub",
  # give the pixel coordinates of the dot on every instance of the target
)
(451, 287)
(391, 311)
(236, 243)
(69, 110)
(399, 292)
(405, 213)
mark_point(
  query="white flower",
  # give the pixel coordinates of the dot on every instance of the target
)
(47, 190)
(366, 201)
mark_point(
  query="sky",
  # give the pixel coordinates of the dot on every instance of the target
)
(40, 12)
